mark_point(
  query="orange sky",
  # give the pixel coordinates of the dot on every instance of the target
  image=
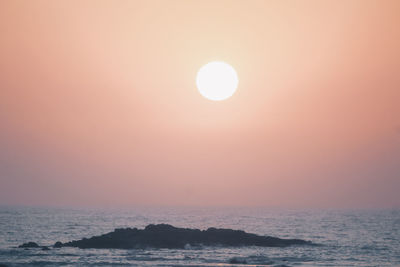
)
(98, 104)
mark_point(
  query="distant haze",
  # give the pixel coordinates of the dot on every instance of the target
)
(98, 103)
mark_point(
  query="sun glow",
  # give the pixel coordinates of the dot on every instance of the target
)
(217, 80)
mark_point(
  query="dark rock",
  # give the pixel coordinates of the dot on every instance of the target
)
(45, 248)
(237, 261)
(58, 244)
(168, 236)
(29, 245)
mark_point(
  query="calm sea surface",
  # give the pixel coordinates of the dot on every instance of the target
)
(346, 238)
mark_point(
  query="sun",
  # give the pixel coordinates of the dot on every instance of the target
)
(217, 80)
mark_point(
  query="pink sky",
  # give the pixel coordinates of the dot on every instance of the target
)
(98, 103)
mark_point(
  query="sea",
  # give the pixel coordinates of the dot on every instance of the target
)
(343, 237)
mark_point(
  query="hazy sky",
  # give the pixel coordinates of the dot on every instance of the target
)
(99, 106)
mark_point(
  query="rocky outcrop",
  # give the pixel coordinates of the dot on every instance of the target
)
(32, 245)
(29, 245)
(58, 244)
(168, 236)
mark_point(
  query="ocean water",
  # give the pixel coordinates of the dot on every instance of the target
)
(345, 237)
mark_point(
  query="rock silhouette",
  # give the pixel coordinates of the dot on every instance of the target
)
(32, 245)
(168, 236)
(29, 245)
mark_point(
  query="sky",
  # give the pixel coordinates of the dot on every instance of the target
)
(99, 105)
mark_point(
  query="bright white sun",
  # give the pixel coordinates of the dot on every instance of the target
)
(217, 80)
